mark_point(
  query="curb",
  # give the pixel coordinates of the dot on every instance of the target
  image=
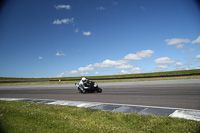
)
(189, 114)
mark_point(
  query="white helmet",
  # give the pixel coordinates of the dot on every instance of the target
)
(83, 79)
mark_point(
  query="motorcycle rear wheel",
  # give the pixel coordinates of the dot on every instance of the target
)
(99, 90)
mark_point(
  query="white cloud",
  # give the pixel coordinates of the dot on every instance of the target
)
(96, 73)
(87, 68)
(164, 60)
(67, 7)
(87, 33)
(125, 72)
(139, 55)
(136, 70)
(178, 64)
(178, 42)
(194, 59)
(162, 67)
(197, 40)
(67, 73)
(179, 45)
(186, 68)
(64, 21)
(132, 57)
(40, 58)
(145, 53)
(188, 51)
(118, 64)
(132, 70)
(198, 57)
(101, 8)
(72, 72)
(60, 53)
(60, 75)
(84, 73)
(110, 63)
(175, 41)
(124, 66)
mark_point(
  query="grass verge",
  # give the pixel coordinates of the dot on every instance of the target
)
(37, 117)
(140, 75)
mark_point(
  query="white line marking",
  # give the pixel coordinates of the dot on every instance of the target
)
(190, 115)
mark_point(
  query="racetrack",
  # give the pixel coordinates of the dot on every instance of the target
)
(168, 93)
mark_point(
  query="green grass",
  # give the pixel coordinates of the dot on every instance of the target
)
(34, 117)
(189, 74)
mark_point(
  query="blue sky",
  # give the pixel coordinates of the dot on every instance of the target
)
(61, 38)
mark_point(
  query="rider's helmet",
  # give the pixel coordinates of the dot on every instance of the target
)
(83, 79)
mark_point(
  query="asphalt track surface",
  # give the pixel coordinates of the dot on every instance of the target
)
(168, 93)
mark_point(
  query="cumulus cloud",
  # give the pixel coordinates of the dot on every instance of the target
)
(124, 66)
(179, 45)
(96, 73)
(194, 59)
(125, 72)
(60, 53)
(110, 63)
(197, 40)
(118, 64)
(87, 33)
(67, 7)
(132, 57)
(139, 55)
(198, 57)
(72, 72)
(132, 70)
(164, 60)
(136, 70)
(40, 58)
(87, 68)
(63, 21)
(60, 75)
(178, 42)
(162, 67)
(67, 73)
(178, 64)
(84, 73)
(188, 51)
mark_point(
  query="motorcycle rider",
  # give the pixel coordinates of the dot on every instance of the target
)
(85, 85)
(82, 83)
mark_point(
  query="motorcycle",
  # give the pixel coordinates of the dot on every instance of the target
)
(89, 86)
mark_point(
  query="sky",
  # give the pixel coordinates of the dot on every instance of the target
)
(67, 38)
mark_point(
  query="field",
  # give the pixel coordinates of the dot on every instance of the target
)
(171, 75)
(38, 117)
